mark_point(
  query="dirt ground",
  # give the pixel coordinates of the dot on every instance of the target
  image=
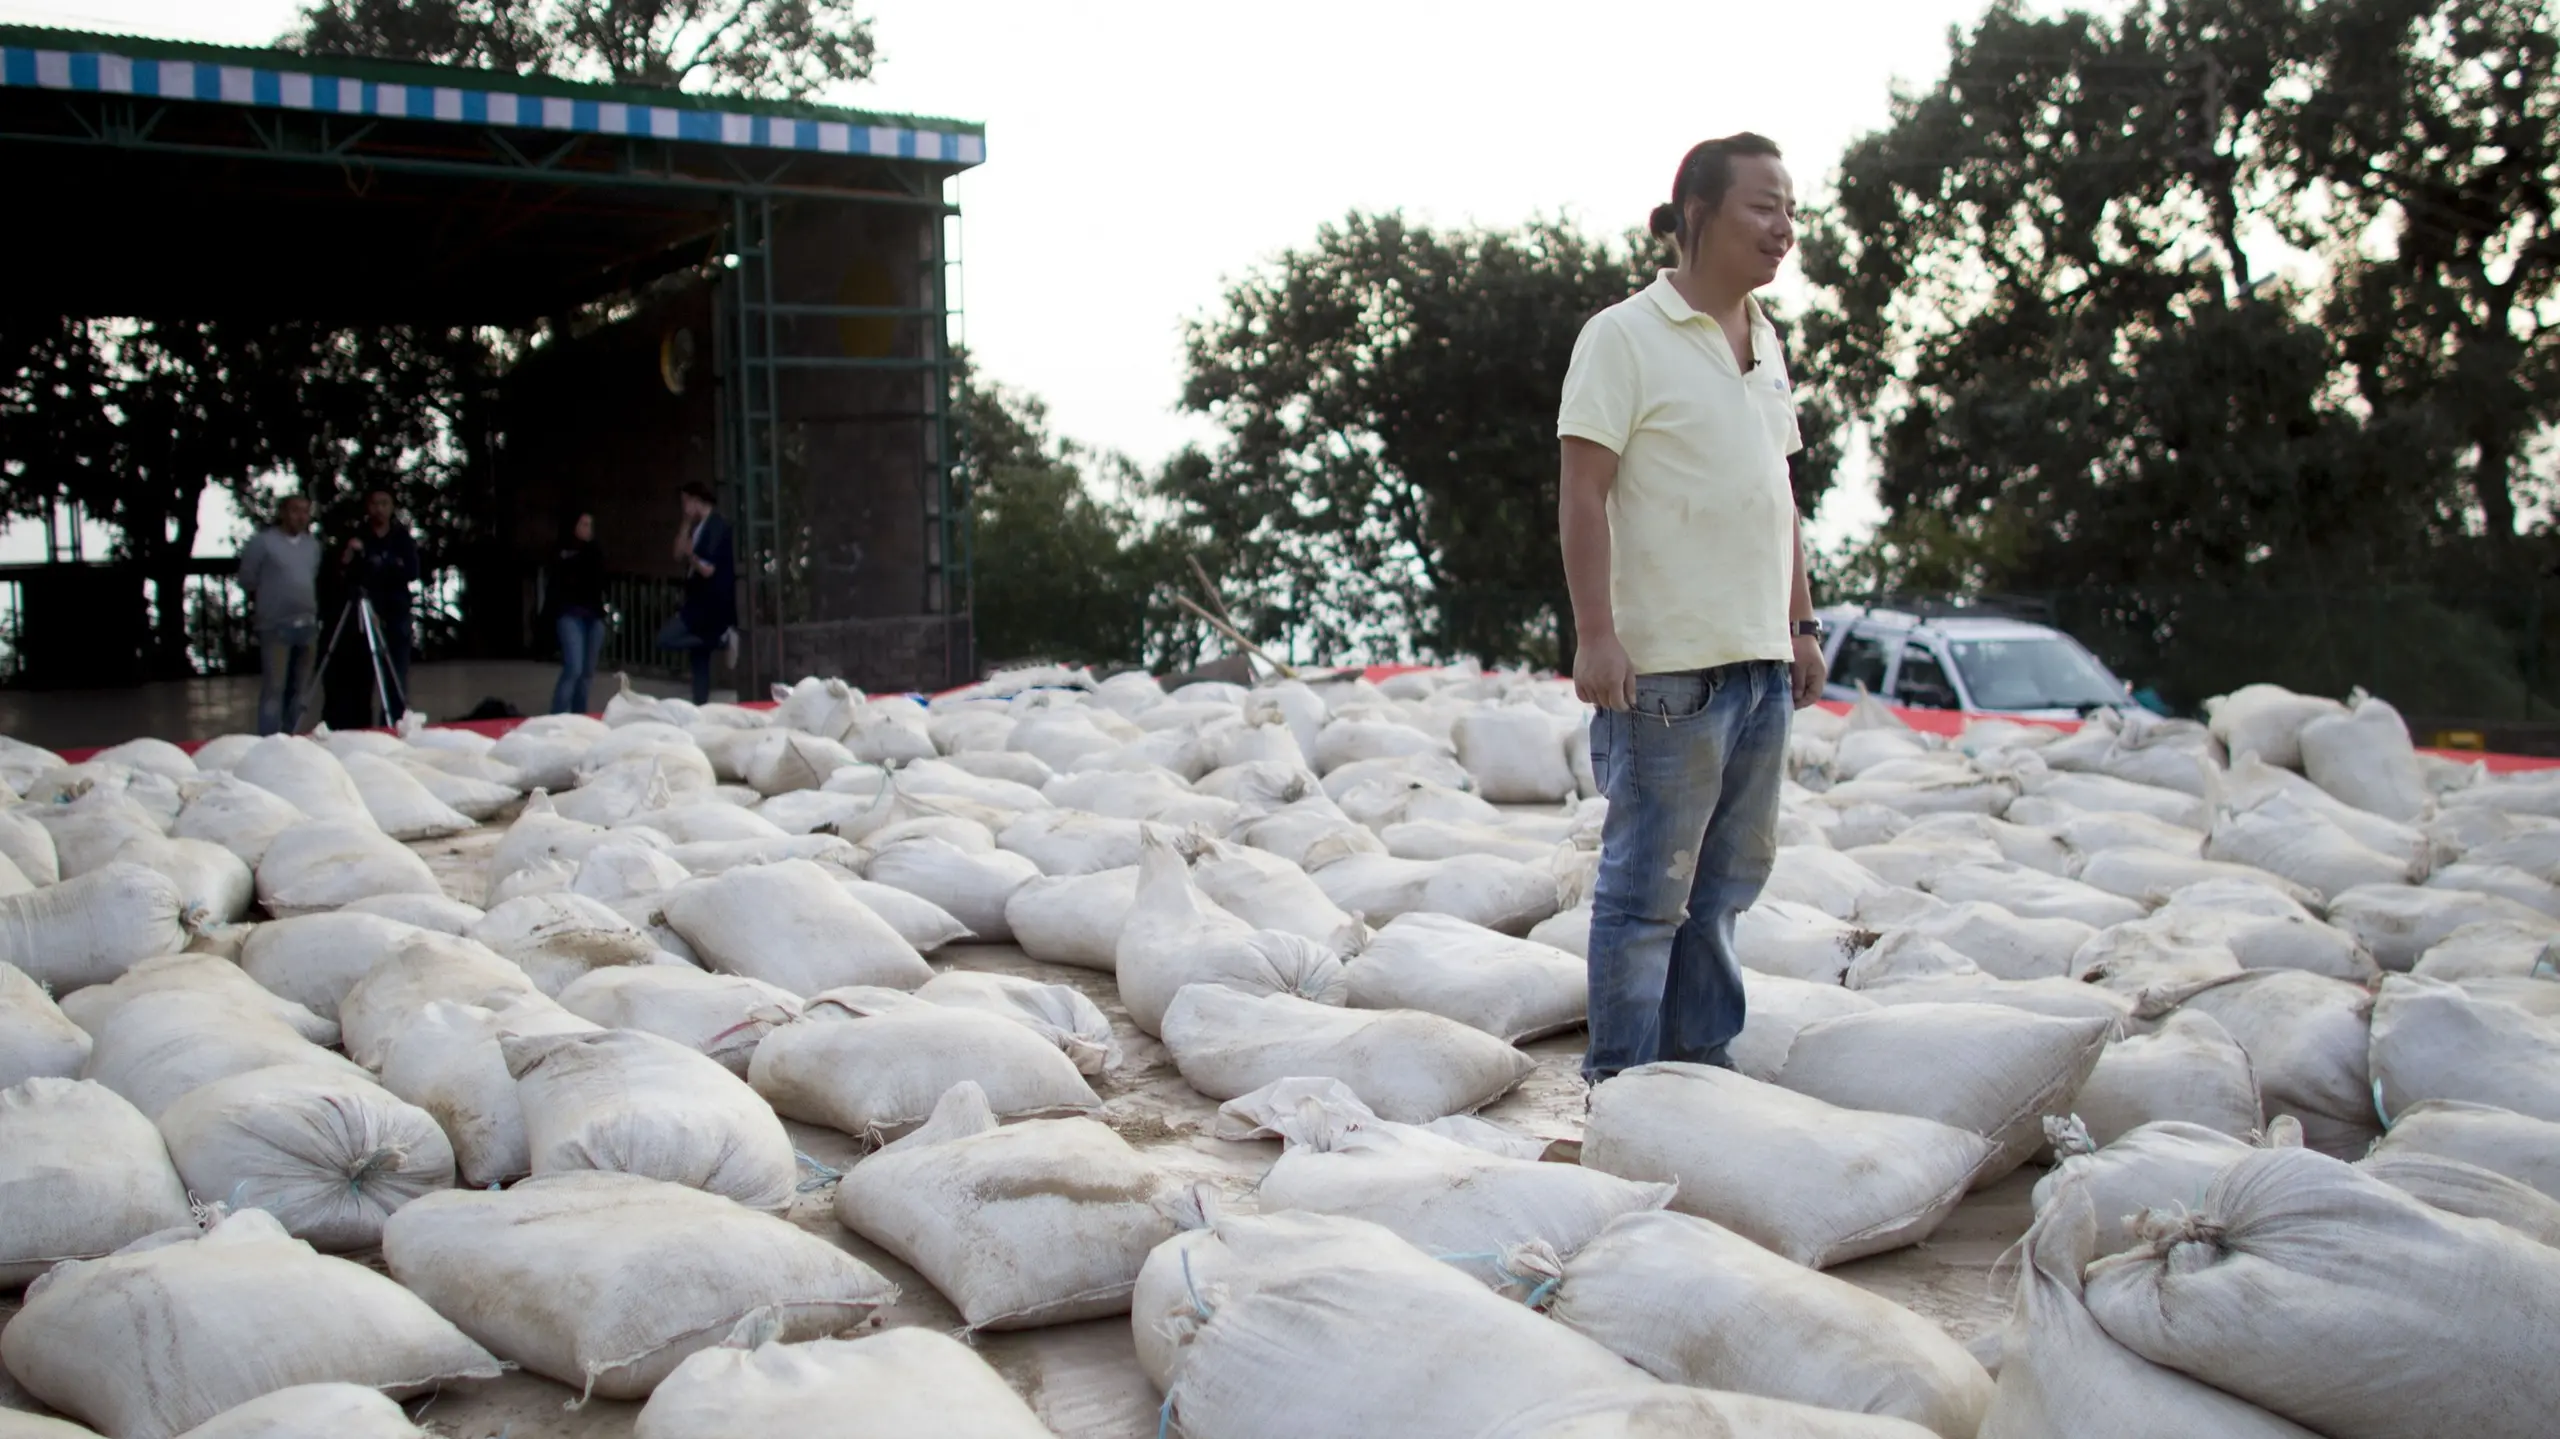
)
(1084, 1379)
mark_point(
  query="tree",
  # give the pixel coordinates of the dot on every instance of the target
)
(2045, 296)
(1060, 571)
(790, 49)
(1389, 399)
(133, 423)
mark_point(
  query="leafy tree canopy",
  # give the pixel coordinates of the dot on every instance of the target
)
(2051, 296)
(1389, 396)
(1064, 569)
(787, 49)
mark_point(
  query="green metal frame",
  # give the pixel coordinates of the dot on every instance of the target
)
(751, 364)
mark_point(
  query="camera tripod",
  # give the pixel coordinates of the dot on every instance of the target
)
(386, 681)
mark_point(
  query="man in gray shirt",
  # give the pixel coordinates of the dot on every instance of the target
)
(277, 569)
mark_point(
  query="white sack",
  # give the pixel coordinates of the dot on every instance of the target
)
(82, 1173)
(160, 1046)
(1775, 1009)
(312, 1411)
(1512, 989)
(723, 1016)
(2470, 1191)
(1266, 891)
(448, 1063)
(605, 1282)
(1074, 919)
(330, 1155)
(1174, 938)
(1055, 1012)
(561, 938)
(1514, 754)
(36, 1037)
(1819, 1184)
(426, 911)
(1448, 1198)
(1799, 941)
(1020, 1226)
(972, 888)
(920, 922)
(2061, 1375)
(2365, 758)
(633, 1103)
(2515, 1145)
(1499, 894)
(88, 830)
(400, 802)
(1407, 1346)
(2355, 1268)
(424, 968)
(235, 814)
(179, 1328)
(1986, 1069)
(2298, 843)
(2431, 1040)
(219, 980)
(2267, 720)
(2165, 1165)
(2033, 894)
(1070, 842)
(791, 925)
(324, 864)
(895, 1384)
(1406, 1066)
(303, 774)
(864, 1062)
(2307, 1039)
(1693, 1303)
(2491, 948)
(91, 929)
(313, 960)
(2189, 1069)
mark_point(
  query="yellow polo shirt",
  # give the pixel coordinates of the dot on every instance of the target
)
(1701, 519)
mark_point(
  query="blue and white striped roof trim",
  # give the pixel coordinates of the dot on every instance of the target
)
(337, 95)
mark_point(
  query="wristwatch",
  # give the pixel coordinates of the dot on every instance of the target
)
(1811, 629)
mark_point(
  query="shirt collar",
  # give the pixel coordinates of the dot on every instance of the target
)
(1666, 298)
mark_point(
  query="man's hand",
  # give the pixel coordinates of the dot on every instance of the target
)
(1603, 675)
(1808, 670)
(354, 548)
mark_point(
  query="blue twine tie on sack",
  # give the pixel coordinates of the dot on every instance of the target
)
(820, 1175)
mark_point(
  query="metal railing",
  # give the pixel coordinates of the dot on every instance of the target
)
(636, 608)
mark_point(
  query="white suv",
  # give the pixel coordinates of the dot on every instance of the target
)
(1955, 661)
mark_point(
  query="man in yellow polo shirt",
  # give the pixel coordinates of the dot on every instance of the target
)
(1694, 624)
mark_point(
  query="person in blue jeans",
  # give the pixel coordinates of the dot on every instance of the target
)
(577, 606)
(280, 571)
(709, 619)
(1693, 622)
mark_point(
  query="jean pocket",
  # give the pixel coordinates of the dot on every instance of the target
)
(1674, 696)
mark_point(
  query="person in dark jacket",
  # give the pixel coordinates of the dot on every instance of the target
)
(577, 607)
(379, 562)
(709, 619)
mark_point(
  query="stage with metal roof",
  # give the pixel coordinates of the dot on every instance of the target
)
(803, 251)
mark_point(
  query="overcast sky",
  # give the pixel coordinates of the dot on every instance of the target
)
(1141, 154)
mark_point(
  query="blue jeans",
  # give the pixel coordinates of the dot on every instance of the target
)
(581, 642)
(285, 653)
(677, 637)
(1692, 776)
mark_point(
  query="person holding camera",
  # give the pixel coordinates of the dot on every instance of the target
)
(378, 563)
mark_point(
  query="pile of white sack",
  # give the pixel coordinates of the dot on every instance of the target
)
(295, 1124)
